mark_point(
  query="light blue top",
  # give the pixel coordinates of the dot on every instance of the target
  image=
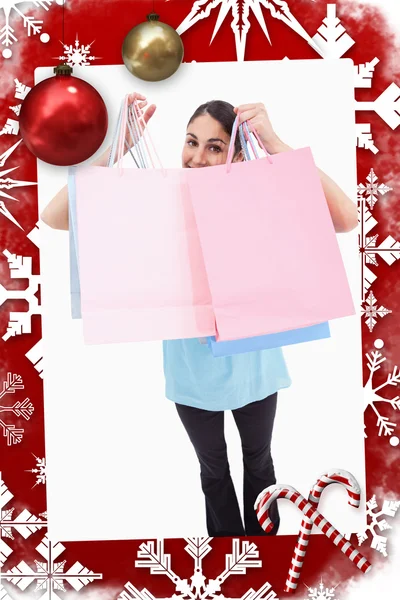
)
(195, 378)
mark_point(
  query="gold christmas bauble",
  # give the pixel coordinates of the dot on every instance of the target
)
(152, 50)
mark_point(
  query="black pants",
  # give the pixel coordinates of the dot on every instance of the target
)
(206, 432)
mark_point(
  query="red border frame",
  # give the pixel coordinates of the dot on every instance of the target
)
(115, 560)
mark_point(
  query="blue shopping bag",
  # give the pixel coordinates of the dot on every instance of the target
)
(273, 340)
(75, 286)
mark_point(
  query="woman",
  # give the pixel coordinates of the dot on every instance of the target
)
(203, 387)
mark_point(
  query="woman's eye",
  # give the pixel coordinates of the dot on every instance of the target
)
(191, 143)
(215, 149)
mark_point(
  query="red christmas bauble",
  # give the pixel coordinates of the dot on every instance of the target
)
(63, 119)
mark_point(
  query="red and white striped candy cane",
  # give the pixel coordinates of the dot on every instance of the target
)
(273, 492)
(334, 476)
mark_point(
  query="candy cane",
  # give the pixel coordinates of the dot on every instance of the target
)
(334, 476)
(273, 492)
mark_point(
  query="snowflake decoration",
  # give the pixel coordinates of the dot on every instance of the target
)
(364, 73)
(25, 524)
(372, 395)
(244, 556)
(364, 137)
(321, 592)
(389, 249)
(331, 37)
(35, 356)
(40, 471)
(372, 189)
(240, 23)
(6, 183)
(77, 55)
(378, 542)
(23, 409)
(12, 126)
(386, 106)
(21, 268)
(32, 25)
(34, 235)
(372, 311)
(334, 42)
(330, 41)
(49, 575)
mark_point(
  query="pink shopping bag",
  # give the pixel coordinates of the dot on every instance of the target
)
(270, 250)
(140, 263)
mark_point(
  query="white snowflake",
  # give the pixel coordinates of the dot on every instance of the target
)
(386, 106)
(372, 189)
(321, 592)
(21, 268)
(364, 73)
(372, 393)
(77, 55)
(389, 249)
(378, 542)
(244, 555)
(21, 90)
(334, 42)
(372, 311)
(49, 575)
(35, 356)
(19, 408)
(364, 137)
(40, 471)
(6, 183)
(25, 524)
(363, 79)
(32, 25)
(240, 11)
(331, 37)
(11, 126)
(34, 235)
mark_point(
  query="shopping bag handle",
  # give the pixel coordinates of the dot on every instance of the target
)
(249, 137)
(248, 128)
(144, 133)
(131, 117)
(243, 143)
(116, 148)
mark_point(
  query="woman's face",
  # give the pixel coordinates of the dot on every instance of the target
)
(206, 144)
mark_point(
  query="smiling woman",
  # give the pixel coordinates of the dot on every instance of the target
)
(208, 136)
(203, 387)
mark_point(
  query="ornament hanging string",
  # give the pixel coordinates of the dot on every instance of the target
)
(63, 23)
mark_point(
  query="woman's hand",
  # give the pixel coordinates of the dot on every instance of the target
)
(257, 115)
(141, 103)
(342, 209)
(56, 212)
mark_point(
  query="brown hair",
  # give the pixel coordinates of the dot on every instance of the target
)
(222, 112)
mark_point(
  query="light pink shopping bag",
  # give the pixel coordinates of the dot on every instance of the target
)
(271, 254)
(140, 263)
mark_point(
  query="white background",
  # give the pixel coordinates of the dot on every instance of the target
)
(119, 462)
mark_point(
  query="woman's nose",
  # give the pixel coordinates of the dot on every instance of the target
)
(199, 157)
